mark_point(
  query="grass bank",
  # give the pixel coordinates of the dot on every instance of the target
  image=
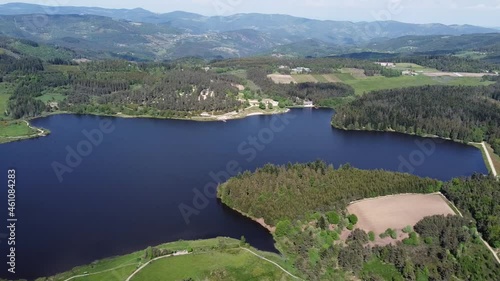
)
(214, 259)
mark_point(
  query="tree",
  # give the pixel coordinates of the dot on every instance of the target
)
(322, 223)
(353, 219)
(243, 241)
(333, 217)
(283, 228)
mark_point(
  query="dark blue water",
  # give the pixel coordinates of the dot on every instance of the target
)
(125, 195)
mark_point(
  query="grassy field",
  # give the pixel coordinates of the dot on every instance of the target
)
(381, 83)
(233, 264)
(494, 157)
(42, 51)
(52, 97)
(303, 78)
(386, 271)
(415, 67)
(320, 78)
(241, 73)
(17, 129)
(5, 92)
(367, 84)
(213, 259)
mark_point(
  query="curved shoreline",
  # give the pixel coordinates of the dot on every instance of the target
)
(427, 136)
(42, 132)
(260, 221)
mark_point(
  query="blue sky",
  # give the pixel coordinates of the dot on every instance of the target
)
(478, 12)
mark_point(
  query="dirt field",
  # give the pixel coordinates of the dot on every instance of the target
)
(332, 78)
(355, 72)
(397, 211)
(304, 78)
(281, 79)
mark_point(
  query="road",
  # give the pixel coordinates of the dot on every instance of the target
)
(41, 133)
(95, 273)
(493, 170)
(261, 257)
(181, 253)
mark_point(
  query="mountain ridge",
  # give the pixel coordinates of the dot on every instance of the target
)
(139, 34)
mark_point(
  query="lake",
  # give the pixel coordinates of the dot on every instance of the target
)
(99, 187)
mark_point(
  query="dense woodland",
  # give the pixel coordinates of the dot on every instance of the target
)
(22, 102)
(137, 92)
(109, 87)
(450, 63)
(459, 113)
(479, 197)
(322, 94)
(272, 191)
(168, 89)
(317, 65)
(306, 203)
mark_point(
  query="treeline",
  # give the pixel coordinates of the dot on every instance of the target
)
(21, 66)
(322, 94)
(317, 65)
(112, 86)
(289, 192)
(137, 92)
(456, 112)
(183, 91)
(22, 101)
(450, 63)
(307, 202)
(479, 197)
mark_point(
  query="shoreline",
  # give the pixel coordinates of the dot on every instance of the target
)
(427, 136)
(480, 146)
(42, 132)
(260, 221)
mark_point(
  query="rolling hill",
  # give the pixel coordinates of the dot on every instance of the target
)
(281, 27)
(138, 34)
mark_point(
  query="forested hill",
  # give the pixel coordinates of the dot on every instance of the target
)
(456, 112)
(450, 63)
(306, 203)
(479, 197)
(290, 192)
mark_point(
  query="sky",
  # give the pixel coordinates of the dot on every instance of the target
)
(476, 12)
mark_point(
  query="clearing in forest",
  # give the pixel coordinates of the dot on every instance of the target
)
(397, 211)
(281, 79)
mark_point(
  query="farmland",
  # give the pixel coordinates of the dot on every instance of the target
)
(215, 259)
(364, 84)
(397, 212)
(232, 264)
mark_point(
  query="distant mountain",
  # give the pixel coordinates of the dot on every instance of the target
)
(139, 34)
(101, 37)
(282, 27)
(438, 43)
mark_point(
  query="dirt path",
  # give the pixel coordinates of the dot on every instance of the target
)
(493, 170)
(263, 258)
(104, 271)
(41, 133)
(181, 253)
